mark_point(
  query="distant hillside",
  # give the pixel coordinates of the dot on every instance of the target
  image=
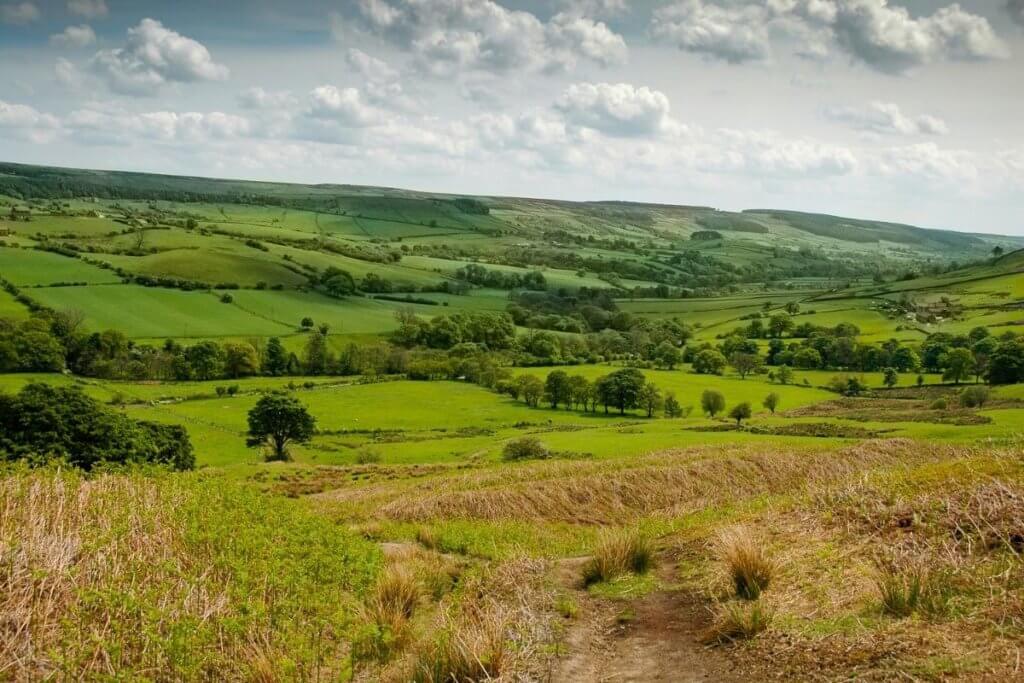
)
(531, 218)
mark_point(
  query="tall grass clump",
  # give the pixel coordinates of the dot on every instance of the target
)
(746, 561)
(739, 621)
(127, 576)
(618, 551)
(906, 587)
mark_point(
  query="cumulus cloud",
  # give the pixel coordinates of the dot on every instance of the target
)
(258, 98)
(887, 38)
(448, 36)
(344, 106)
(734, 34)
(74, 37)
(19, 13)
(616, 109)
(99, 126)
(90, 9)
(26, 123)
(369, 67)
(153, 56)
(886, 118)
(873, 32)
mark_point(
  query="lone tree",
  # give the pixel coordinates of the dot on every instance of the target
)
(713, 402)
(650, 399)
(891, 378)
(672, 407)
(784, 374)
(279, 419)
(771, 402)
(740, 412)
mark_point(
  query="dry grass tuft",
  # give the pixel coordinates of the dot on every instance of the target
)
(909, 584)
(746, 560)
(739, 621)
(395, 598)
(618, 552)
(670, 482)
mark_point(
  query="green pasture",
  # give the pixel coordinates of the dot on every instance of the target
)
(150, 312)
(10, 308)
(211, 267)
(29, 267)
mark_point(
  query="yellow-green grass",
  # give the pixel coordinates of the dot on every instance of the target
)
(52, 226)
(355, 315)
(27, 267)
(150, 312)
(555, 277)
(398, 274)
(241, 265)
(10, 308)
(191, 576)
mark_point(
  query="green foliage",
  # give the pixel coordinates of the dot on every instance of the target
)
(709, 362)
(740, 412)
(975, 397)
(279, 419)
(525, 448)
(712, 402)
(771, 402)
(44, 422)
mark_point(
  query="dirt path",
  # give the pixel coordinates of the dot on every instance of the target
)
(658, 642)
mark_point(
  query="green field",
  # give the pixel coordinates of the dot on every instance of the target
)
(29, 267)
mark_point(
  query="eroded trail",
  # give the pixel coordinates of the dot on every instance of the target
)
(656, 637)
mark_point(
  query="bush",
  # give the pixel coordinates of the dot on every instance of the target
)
(974, 397)
(746, 561)
(525, 448)
(367, 456)
(738, 622)
(939, 404)
(44, 422)
(618, 552)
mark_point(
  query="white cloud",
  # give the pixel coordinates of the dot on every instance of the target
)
(886, 118)
(616, 109)
(90, 9)
(258, 98)
(74, 37)
(344, 106)
(369, 67)
(930, 162)
(153, 56)
(97, 126)
(26, 123)
(734, 34)
(67, 74)
(887, 38)
(448, 36)
(19, 13)
(883, 36)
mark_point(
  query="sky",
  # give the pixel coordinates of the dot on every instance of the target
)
(901, 110)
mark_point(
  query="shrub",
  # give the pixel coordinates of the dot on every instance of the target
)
(740, 412)
(746, 561)
(739, 621)
(618, 552)
(939, 404)
(909, 586)
(712, 402)
(899, 588)
(974, 397)
(525, 448)
(367, 456)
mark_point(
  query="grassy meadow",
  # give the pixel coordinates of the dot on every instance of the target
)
(871, 536)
